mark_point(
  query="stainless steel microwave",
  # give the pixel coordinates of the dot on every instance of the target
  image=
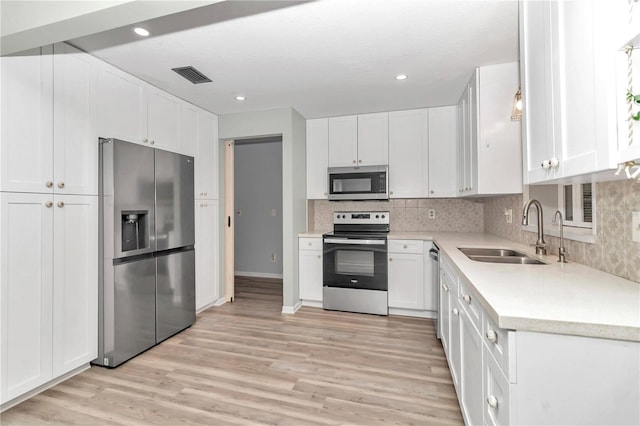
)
(359, 183)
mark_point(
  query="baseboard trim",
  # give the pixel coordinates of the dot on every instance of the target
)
(19, 399)
(292, 309)
(413, 313)
(218, 302)
(258, 274)
(312, 303)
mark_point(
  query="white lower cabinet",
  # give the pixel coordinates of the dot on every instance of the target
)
(406, 274)
(310, 270)
(48, 288)
(505, 377)
(206, 245)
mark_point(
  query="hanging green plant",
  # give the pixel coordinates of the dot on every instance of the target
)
(635, 99)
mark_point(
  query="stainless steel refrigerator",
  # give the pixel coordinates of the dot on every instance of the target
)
(147, 268)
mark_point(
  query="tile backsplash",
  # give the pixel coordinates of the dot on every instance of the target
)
(613, 250)
(406, 214)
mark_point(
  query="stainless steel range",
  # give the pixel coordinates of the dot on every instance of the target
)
(355, 263)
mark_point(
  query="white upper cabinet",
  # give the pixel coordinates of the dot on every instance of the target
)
(442, 165)
(317, 158)
(26, 147)
(408, 153)
(49, 114)
(343, 141)
(163, 119)
(489, 143)
(359, 140)
(75, 116)
(188, 129)
(122, 112)
(207, 156)
(373, 139)
(568, 86)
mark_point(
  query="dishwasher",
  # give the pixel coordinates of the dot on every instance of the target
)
(434, 254)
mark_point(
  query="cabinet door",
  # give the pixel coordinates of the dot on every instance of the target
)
(75, 283)
(462, 142)
(206, 221)
(406, 286)
(535, 69)
(343, 141)
(442, 164)
(373, 139)
(122, 110)
(310, 275)
(207, 156)
(163, 119)
(471, 137)
(26, 268)
(455, 346)
(407, 153)
(444, 312)
(26, 148)
(496, 395)
(317, 158)
(470, 370)
(188, 129)
(75, 112)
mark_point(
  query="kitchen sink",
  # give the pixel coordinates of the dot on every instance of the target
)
(497, 255)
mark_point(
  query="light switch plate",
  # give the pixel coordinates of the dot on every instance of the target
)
(635, 227)
(508, 215)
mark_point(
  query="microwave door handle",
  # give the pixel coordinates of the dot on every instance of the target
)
(355, 242)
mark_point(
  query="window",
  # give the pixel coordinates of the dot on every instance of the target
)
(576, 203)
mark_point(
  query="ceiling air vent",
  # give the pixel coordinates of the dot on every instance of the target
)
(192, 74)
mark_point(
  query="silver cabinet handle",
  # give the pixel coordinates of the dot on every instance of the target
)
(49, 184)
(49, 204)
(390, 259)
(319, 256)
(491, 336)
(60, 185)
(467, 299)
(60, 203)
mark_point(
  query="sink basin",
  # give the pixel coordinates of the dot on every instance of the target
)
(522, 260)
(481, 251)
(498, 255)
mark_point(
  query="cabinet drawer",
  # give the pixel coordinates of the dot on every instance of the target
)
(310, 244)
(406, 246)
(470, 304)
(501, 344)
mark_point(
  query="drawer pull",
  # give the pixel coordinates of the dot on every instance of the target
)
(455, 311)
(491, 336)
(467, 299)
(492, 401)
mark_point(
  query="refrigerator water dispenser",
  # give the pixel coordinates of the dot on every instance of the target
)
(135, 234)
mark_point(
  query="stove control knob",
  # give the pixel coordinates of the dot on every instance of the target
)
(338, 216)
(344, 216)
(383, 216)
(377, 216)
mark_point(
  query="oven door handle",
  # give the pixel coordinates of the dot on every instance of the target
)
(355, 242)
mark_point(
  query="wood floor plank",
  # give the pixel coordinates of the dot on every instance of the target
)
(246, 363)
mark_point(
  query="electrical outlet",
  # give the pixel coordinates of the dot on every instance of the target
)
(432, 213)
(635, 227)
(239, 212)
(508, 215)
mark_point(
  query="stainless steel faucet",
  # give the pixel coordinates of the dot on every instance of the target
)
(540, 244)
(562, 252)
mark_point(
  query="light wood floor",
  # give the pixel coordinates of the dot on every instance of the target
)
(246, 363)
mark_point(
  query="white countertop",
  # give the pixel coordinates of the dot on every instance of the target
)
(567, 298)
(562, 298)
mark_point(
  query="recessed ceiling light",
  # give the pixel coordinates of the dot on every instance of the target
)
(240, 98)
(401, 77)
(141, 31)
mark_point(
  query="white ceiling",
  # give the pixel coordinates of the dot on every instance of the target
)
(323, 58)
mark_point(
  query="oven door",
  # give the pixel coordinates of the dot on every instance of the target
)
(355, 263)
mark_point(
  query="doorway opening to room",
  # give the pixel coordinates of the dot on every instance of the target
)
(257, 217)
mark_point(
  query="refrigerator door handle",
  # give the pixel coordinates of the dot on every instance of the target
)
(228, 221)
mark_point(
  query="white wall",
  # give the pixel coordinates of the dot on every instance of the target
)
(258, 207)
(292, 126)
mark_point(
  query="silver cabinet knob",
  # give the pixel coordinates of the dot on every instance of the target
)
(390, 192)
(60, 185)
(359, 161)
(467, 299)
(49, 204)
(49, 184)
(445, 288)
(152, 142)
(145, 140)
(390, 259)
(455, 311)
(492, 401)
(404, 246)
(354, 161)
(491, 335)
(319, 256)
(204, 193)
(431, 192)
(310, 244)
(60, 203)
